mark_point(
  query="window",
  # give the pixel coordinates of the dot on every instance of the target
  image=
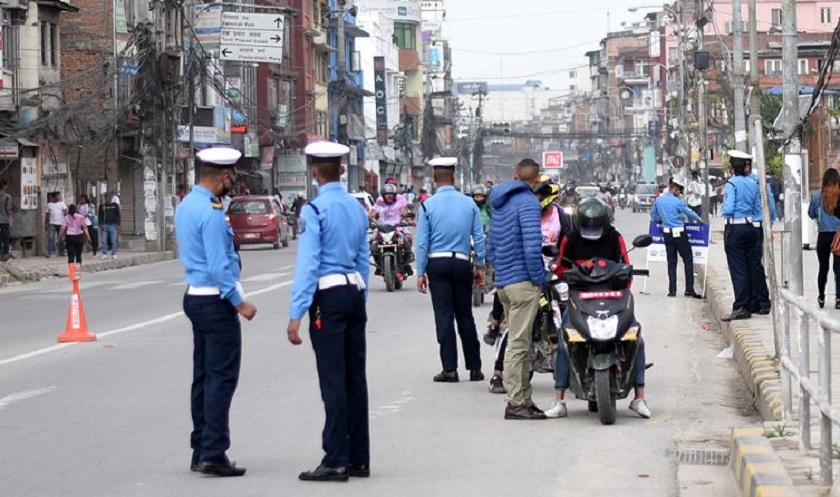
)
(572, 74)
(802, 67)
(404, 35)
(825, 15)
(49, 44)
(272, 94)
(776, 18)
(746, 66)
(322, 124)
(773, 66)
(322, 67)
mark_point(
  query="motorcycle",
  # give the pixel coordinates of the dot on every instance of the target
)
(622, 200)
(479, 292)
(600, 333)
(545, 334)
(389, 254)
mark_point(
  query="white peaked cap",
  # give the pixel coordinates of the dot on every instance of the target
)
(222, 156)
(326, 150)
(449, 162)
(737, 154)
(678, 182)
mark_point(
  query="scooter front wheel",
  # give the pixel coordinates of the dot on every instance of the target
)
(604, 397)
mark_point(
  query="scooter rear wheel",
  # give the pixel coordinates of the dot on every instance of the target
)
(605, 398)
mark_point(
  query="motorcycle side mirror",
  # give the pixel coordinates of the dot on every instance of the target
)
(642, 241)
(550, 251)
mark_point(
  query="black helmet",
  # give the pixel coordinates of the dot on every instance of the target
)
(593, 217)
(389, 188)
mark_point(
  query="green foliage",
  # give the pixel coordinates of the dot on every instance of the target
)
(771, 106)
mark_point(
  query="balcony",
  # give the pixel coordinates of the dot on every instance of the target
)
(409, 60)
(412, 105)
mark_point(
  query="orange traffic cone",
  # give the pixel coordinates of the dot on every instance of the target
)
(76, 329)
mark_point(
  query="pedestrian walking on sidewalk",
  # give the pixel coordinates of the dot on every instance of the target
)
(86, 209)
(741, 201)
(56, 210)
(109, 220)
(514, 248)
(5, 222)
(330, 284)
(213, 302)
(449, 223)
(76, 233)
(669, 210)
(822, 209)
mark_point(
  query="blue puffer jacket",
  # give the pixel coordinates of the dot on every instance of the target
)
(515, 241)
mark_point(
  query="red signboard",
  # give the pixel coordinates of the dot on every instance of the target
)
(238, 129)
(552, 160)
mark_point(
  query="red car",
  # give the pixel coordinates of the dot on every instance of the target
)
(258, 219)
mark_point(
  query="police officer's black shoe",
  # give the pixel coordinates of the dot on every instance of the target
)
(359, 470)
(223, 469)
(476, 375)
(446, 377)
(737, 314)
(325, 473)
(693, 294)
(194, 462)
(763, 311)
(672, 294)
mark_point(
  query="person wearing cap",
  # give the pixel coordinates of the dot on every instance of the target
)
(669, 210)
(213, 302)
(448, 223)
(759, 293)
(740, 204)
(514, 249)
(695, 192)
(330, 285)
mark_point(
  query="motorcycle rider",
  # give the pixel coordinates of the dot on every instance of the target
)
(479, 195)
(605, 195)
(389, 209)
(570, 196)
(594, 236)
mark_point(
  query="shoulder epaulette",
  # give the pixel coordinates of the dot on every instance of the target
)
(216, 203)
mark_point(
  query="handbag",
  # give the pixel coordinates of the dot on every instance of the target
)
(835, 244)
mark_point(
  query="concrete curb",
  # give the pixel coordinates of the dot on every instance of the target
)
(10, 274)
(758, 470)
(757, 367)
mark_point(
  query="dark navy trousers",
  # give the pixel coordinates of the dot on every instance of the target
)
(739, 244)
(217, 354)
(680, 245)
(451, 282)
(337, 321)
(759, 293)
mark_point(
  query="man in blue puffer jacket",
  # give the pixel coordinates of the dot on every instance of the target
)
(514, 248)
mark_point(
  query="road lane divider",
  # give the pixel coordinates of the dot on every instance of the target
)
(76, 329)
(133, 327)
(28, 394)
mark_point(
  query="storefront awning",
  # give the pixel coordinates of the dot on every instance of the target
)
(27, 143)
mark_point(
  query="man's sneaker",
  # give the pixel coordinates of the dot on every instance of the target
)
(104, 256)
(497, 385)
(641, 408)
(491, 335)
(114, 257)
(558, 410)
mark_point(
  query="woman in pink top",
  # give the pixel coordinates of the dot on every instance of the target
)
(77, 232)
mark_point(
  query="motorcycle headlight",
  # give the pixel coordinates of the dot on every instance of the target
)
(602, 329)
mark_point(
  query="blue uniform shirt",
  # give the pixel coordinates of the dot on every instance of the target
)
(333, 240)
(741, 198)
(447, 222)
(669, 210)
(205, 244)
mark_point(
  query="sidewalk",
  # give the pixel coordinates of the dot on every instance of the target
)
(754, 355)
(37, 268)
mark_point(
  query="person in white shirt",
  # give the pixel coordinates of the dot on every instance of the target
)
(56, 209)
(695, 192)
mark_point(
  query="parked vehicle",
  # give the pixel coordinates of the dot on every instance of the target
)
(367, 202)
(601, 334)
(258, 219)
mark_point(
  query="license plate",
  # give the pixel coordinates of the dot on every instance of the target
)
(250, 235)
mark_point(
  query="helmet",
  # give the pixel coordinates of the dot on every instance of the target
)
(389, 189)
(548, 193)
(544, 178)
(593, 217)
(478, 190)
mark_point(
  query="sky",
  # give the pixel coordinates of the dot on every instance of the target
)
(508, 41)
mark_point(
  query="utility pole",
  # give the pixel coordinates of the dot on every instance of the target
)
(738, 75)
(793, 148)
(341, 100)
(701, 112)
(755, 102)
(683, 141)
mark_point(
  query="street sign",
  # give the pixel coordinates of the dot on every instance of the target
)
(238, 129)
(252, 37)
(552, 160)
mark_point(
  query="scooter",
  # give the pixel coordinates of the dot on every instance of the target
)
(600, 332)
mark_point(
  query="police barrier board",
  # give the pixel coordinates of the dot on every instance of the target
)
(698, 237)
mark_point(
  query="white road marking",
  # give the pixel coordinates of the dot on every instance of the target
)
(265, 277)
(135, 285)
(133, 327)
(19, 396)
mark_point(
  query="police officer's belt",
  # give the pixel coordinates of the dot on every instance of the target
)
(676, 230)
(449, 255)
(334, 280)
(739, 220)
(209, 291)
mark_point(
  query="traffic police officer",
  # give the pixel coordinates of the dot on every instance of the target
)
(669, 210)
(213, 301)
(333, 266)
(448, 222)
(759, 293)
(741, 202)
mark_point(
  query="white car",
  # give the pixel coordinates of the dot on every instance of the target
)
(367, 202)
